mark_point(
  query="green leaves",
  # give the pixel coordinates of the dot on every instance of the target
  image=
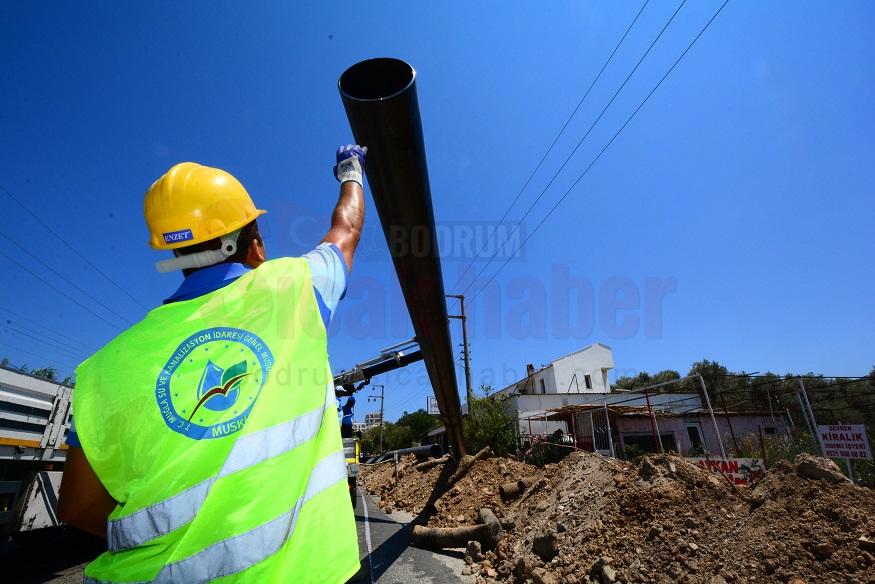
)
(488, 424)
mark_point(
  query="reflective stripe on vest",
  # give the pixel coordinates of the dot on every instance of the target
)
(247, 549)
(238, 553)
(165, 516)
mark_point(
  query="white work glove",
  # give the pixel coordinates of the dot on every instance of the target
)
(350, 164)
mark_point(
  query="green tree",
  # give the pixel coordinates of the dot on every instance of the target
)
(370, 441)
(644, 379)
(49, 373)
(396, 436)
(715, 375)
(419, 423)
(665, 376)
(628, 382)
(488, 424)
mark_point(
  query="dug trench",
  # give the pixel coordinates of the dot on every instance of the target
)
(660, 519)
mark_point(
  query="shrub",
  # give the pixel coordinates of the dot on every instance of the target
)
(487, 424)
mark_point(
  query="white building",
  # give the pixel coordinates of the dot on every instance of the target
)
(373, 420)
(583, 371)
(575, 379)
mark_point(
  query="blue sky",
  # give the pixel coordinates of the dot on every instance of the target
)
(744, 185)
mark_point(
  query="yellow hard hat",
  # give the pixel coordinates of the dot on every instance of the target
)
(192, 204)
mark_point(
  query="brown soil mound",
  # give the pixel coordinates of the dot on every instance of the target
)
(662, 519)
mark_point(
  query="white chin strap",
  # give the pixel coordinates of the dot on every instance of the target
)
(201, 259)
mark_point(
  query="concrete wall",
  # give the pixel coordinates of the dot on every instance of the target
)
(533, 406)
(569, 372)
(744, 425)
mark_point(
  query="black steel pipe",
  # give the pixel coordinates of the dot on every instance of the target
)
(433, 450)
(379, 96)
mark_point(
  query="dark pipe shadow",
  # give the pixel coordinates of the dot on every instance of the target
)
(390, 550)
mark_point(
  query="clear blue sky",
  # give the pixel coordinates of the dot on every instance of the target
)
(746, 180)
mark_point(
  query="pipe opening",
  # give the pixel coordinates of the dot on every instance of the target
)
(376, 79)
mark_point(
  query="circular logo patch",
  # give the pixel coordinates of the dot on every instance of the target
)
(212, 380)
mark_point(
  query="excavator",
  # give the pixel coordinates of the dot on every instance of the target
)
(346, 383)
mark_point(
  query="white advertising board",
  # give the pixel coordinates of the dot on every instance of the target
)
(844, 441)
(740, 471)
(432, 406)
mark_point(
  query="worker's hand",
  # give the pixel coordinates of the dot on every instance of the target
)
(350, 163)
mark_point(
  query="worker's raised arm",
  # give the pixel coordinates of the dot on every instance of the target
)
(348, 218)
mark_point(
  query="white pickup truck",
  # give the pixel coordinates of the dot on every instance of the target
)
(34, 419)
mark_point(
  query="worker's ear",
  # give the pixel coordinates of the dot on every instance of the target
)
(255, 255)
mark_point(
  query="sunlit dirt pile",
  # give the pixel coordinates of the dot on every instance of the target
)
(659, 519)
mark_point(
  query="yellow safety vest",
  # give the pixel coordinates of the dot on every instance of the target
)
(213, 423)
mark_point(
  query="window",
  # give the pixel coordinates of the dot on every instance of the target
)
(694, 434)
(543, 387)
(635, 444)
(587, 380)
(770, 431)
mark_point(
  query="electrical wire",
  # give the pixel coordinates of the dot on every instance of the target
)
(48, 342)
(32, 323)
(71, 248)
(65, 279)
(418, 394)
(611, 141)
(793, 376)
(43, 357)
(58, 290)
(553, 143)
(793, 390)
(579, 143)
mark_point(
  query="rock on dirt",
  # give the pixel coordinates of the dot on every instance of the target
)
(659, 519)
(814, 467)
(545, 546)
(474, 553)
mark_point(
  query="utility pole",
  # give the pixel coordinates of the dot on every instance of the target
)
(375, 398)
(466, 348)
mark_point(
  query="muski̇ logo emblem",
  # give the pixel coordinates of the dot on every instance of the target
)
(210, 384)
(219, 389)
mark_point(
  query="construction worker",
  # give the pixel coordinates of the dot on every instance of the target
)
(346, 421)
(205, 442)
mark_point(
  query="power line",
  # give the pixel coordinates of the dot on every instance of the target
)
(49, 342)
(793, 389)
(64, 278)
(793, 376)
(611, 141)
(24, 352)
(78, 342)
(58, 290)
(71, 248)
(418, 394)
(50, 348)
(579, 143)
(556, 139)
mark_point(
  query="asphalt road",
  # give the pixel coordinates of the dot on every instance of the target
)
(59, 555)
(388, 558)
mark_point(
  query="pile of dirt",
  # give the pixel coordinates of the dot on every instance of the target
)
(661, 519)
